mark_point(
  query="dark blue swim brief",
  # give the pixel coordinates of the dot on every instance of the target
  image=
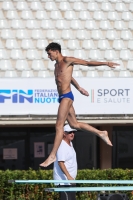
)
(67, 95)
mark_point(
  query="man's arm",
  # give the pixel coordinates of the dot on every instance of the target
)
(76, 61)
(77, 86)
(64, 170)
(75, 83)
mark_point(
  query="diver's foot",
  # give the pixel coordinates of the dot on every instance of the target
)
(48, 161)
(104, 136)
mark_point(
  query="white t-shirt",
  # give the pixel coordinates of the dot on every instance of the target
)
(67, 154)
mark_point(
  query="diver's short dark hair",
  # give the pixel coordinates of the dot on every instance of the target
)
(53, 46)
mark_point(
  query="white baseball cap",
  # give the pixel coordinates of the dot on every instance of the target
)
(67, 128)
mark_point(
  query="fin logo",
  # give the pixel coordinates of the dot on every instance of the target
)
(16, 96)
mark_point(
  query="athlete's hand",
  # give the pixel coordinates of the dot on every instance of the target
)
(83, 91)
(112, 65)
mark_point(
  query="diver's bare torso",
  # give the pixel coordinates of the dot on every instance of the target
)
(63, 76)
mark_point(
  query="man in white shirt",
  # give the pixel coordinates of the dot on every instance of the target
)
(65, 166)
